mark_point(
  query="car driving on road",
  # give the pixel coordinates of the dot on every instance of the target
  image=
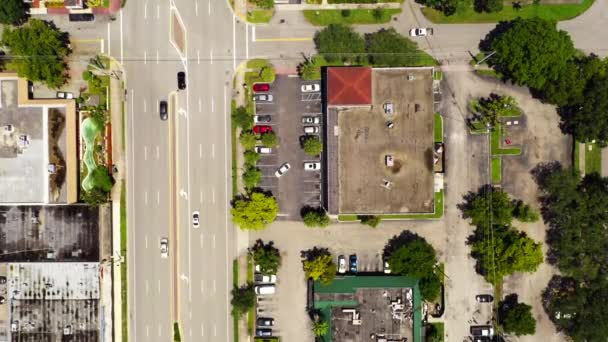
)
(421, 32)
(263, 98)
(181, 80)
(195, 219)
(311, 88)
(162, 109)
(282, 170)
(164, 248)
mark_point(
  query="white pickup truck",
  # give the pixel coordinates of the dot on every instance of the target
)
(421, 32)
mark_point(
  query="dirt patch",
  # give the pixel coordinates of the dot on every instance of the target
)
(178, 34)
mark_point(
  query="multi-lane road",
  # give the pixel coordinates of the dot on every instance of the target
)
(178, 166)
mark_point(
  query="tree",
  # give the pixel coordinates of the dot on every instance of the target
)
(370, 220)
(389, 48)
(433, 334)
(490, 109)
(479, 204)
(94, 197)
(252, 177)
(415, 257)
(588, 120)
(242, 118)
(251, 157)
(502, 250)
(267, 256)
(320, 328)
(322, 267)
(530, 52)
(313, 146)
(270, 139)
(248, 140)
(13, 12)
(243, 299)
(524, 213)
(517, 319)
(567, 90)
(39, 49)
(488, 5)
(339, 42)
(315, 217)
(254, 212)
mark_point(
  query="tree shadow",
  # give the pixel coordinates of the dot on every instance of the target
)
(542, 171)
(486, 43)
(308, 209)
(313, 253)
(398, 241)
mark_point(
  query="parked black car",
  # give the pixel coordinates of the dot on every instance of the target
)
(484, 298)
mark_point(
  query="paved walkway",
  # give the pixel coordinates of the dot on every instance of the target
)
(581, 158)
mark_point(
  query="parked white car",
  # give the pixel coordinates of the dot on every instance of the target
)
(64, 95)
(311, 88)
(311, 129)
(264, 289)
(341, 264)
(263, 150)
(282, 170)
(267, 279)
(311, 120)
(421, 32)
(312, 166)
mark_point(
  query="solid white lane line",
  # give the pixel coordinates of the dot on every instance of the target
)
(200, 151)
(212, 105)
(226, 211)
(233, 42)
(213, 151)
(147, 331)
(146, 238)
(146, 10)
(209, 9)
(211, 56)
(198, 56)
(145, 57)
(196, 7)
(214, 330)
(109, 42)
(157, 152)
(157, 11)
(145, 197)
(202, 331)
(158, 197)
(145, 152)
(253, 33)
(145, 106)
(121, 41)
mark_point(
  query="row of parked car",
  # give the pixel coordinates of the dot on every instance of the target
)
(352, 265)
(265, 285)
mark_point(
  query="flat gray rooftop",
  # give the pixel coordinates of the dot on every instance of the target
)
(54, 301)
(49, 233)
(23, 173)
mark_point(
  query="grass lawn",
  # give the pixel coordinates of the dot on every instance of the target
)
(468, 15)
(259, 16)
(496, 170)
(440, 330)
(437, 214)
(593, 158)
(438, 123)
(123, 266)
(575, 156)
(477, 127)
(264, 72)
(496, 149)
(235, 283)
(354, 16)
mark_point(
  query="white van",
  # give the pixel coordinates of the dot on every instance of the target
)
(311, 129)
(263, 150)
(264, 289)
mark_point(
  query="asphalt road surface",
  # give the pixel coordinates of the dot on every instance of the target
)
(178, 166)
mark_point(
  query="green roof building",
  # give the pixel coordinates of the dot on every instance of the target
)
(359, 307)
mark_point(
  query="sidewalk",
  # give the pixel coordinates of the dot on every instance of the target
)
(116, 103)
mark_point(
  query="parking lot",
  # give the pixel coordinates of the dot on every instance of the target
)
(296, 188)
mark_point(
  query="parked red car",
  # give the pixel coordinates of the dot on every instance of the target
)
(262, 129)
(261, 87)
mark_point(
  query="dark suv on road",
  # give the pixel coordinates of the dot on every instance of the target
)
(162, 108)
(181, 80)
